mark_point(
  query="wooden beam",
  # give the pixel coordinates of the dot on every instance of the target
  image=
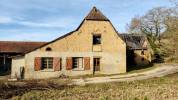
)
(4, 59)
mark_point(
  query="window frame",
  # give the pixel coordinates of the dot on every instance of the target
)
(77, 63)
(94, 39)
(97, 61)
(48, 49)
(48, 65)
(142, 59)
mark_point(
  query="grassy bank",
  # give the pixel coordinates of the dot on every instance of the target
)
(152, 89)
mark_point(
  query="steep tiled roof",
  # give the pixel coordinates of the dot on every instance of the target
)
(18, 47)
(134, 41)
(96, 14)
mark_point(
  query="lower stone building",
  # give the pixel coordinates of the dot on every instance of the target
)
(138, 49)
(9, 49)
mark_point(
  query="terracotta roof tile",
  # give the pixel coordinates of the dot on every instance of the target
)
(18, 47)
(96, 14)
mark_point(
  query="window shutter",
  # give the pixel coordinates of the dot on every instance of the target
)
(87, 63)
(37, 63)
(57, 63)
(68, 63)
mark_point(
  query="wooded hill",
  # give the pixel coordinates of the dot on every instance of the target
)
(160, 26)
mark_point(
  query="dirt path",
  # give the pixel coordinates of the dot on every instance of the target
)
(160, 71)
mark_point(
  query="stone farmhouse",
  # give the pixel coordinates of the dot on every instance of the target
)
(95, 47)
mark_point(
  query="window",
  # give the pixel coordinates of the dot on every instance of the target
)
(48, 49)
(96, 39)
(1, 61)
(47, 63)
(142, 53)
(96, 62)
(143, 59)
(77, 63)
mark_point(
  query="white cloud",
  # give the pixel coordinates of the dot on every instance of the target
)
(49, 23)
(4, 20)
(34, 24)
(30, 37)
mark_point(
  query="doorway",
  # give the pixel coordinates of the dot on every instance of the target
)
(96, 65)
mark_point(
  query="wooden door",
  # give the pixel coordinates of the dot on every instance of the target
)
(96, 63)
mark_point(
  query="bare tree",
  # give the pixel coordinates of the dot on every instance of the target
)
(172, 29)
(174, 2)
(152, 24)
(157, 23)
(134, 26)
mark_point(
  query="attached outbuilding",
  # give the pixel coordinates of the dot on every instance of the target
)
(139, 51)
(9, 49)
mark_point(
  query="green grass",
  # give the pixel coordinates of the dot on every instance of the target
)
(152, 89)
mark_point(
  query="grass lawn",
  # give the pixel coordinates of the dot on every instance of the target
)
(164, 88)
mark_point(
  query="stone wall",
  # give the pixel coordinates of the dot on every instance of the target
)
(79, 44)
(142, 59)
(17, 65)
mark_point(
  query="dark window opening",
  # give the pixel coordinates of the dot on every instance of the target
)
(142, 52)
(96, 39)
(143, 59)
(77, 63)
(48, 49)
(5, 64)
(47, 63)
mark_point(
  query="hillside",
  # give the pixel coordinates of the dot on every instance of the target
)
(169, 46)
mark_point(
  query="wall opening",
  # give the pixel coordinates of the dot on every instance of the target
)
(48, 49)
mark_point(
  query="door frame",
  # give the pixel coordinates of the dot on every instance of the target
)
(94, 67)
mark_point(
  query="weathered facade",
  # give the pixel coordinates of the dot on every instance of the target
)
(94, 47)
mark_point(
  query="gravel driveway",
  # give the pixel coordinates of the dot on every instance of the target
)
(160, 71)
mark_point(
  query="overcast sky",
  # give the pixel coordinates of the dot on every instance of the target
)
(45, 20)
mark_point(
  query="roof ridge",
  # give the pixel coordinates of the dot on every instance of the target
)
(96, 14)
